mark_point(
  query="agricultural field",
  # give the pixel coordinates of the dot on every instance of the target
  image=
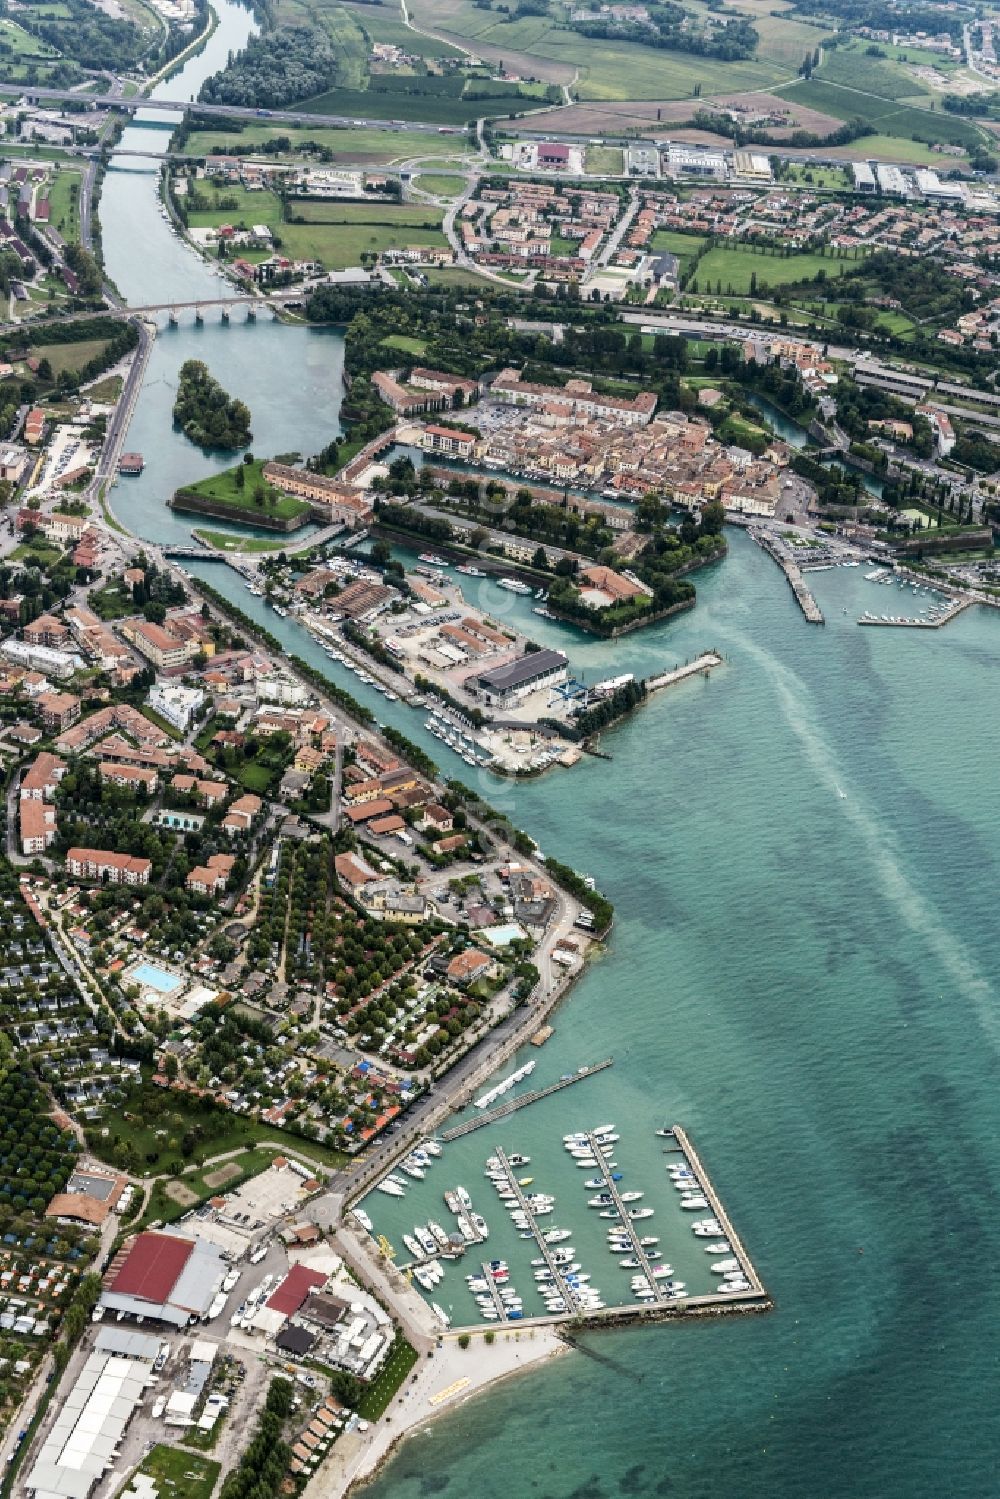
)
(852, 67)
(894, 148)
(732, 269)
(338, 246)
(889, 116)
(383, 27)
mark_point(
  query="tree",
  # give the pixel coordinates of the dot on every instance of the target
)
(241, 476)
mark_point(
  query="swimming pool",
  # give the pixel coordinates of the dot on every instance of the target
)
(151, 977)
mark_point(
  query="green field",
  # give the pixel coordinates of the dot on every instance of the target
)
(413, 215)
(370, 147)
(372, 104)
(734, 268)
(22, 43)
(405, 344)
(225, 541)
(888, 116)
(185, 1475)
(387, 1381)
(106, 390)
(440, 184)
(250, 208)
(851, 67)
(222, 486)
(603, 161)
(381, 27)
(338, 246)
(676, 242)
(894, 148)
(64, 188)
(607, 69)
(71, 356)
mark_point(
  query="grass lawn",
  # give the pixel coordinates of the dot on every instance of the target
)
(388, 1380)
(441, 184)
(223, 486)
(337, 246)
(185, 1475)
(404, 343)
(256, 777)
(454, 276)
(164, 1208)
(107, 390)
(39, 551)
(245, 208)
(63, 194)
(676, 242)
(227, 542)
(734, 268)
(70, 356)
(22, 43)
(603, 161)
(835, 178)
(113, 601)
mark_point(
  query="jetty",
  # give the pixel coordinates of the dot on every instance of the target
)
(498, 1301)
(521, 1102)
(793, 573)
(558, 1271)
(611, 1186)
(702, 664)
(901, 622)
(683, 1144)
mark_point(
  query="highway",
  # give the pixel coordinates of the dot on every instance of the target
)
(36, 94)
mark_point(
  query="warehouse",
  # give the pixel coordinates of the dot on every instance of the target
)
(506, 685)
(81, 1446)
(164, 1277)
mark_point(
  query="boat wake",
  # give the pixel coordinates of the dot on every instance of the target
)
(919, 913)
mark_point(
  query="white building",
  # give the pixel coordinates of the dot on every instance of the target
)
(177, 704)
(42, 658)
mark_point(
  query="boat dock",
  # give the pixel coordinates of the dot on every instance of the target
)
(559, 1279)
(902, 623)
(623, 1213)
(793, 573)
(522, 1101)
(498, 1301)
(722, 1218)
(702, 664)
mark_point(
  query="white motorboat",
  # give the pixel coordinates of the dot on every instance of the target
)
(412, 1245)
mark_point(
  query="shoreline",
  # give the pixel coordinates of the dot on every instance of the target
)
(372, 1451)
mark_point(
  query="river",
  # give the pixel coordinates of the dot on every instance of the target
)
(803, 971)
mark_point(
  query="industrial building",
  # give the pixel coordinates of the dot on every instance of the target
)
(164, 1278)
(83, 1443)
(890, 180)
(864, 177)
(504, 686)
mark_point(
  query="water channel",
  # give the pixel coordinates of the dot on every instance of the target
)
(803, 853)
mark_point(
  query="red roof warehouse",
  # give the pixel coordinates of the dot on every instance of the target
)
(154, 1263)
(294, 1289)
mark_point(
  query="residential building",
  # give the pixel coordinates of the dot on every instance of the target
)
(58, 709)
(101, 864)
(211, 878)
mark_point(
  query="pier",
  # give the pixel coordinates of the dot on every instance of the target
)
(558, 1276)
(498, 1301)
(702, 664)
(623, 1213)
(722, 1218)
(793, 573)
(521, 1102)
(905, 623)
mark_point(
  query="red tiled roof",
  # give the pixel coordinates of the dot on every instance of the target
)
(294, 1289)
(153, 1267)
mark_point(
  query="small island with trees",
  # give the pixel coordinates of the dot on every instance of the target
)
(208, 415)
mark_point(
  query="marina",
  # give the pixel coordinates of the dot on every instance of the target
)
(912, 622)
(559, 1277)
(625, 1217)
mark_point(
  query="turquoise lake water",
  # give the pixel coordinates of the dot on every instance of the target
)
(806, 980)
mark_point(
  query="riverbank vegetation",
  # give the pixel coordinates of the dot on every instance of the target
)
(207, 415)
